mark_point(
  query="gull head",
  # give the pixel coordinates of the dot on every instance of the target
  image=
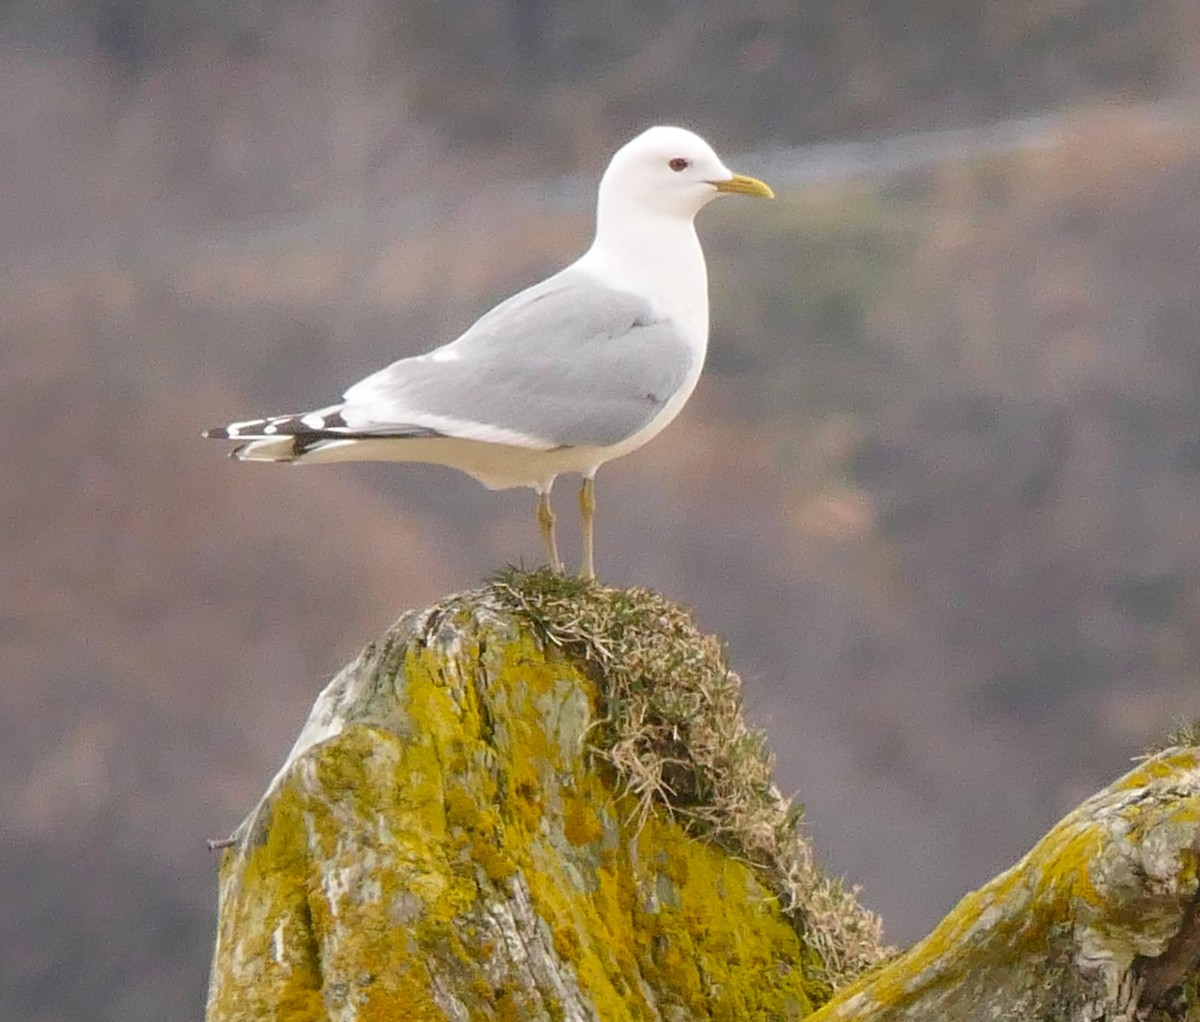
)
(672, 172)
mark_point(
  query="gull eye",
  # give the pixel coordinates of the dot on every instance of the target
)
(678, 164)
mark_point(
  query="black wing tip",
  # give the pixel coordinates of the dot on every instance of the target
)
(333, 428)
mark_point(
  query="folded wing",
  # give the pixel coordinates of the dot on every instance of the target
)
(566, 363)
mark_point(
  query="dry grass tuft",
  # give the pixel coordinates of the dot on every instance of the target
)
(672, 728)
(1183, 733)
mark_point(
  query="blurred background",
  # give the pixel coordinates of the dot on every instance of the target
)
(939, 488)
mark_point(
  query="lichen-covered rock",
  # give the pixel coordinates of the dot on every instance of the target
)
(541, 802)
(442, 844)
(1098, 921)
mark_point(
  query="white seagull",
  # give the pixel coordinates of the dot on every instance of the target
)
(582, 368)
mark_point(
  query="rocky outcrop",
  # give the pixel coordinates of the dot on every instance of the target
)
(538, 801)
(1098, 921)
(541, 801)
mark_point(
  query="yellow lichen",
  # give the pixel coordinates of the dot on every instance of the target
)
(274, 911)
(393, 848)
(580, 823)
(671, 726)
(1108, 886)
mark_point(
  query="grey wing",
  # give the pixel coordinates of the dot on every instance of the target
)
(566, 363)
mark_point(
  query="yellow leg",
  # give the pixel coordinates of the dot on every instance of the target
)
(587, 512)
(545, 520)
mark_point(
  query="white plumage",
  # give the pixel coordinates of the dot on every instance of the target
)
(582, 368)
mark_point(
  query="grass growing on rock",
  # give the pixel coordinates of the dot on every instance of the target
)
(673, 731)
(1183, 733)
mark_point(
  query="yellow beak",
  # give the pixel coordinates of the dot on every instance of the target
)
(742, 185)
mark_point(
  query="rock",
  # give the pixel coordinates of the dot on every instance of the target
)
(538, 801)
(1097, 922)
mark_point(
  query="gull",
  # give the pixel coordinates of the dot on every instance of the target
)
(562, 377)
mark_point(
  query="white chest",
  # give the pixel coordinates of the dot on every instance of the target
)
(666, 266)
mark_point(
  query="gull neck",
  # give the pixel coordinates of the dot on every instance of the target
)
(654, 254)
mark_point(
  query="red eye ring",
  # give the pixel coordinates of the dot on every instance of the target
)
(678, 164)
